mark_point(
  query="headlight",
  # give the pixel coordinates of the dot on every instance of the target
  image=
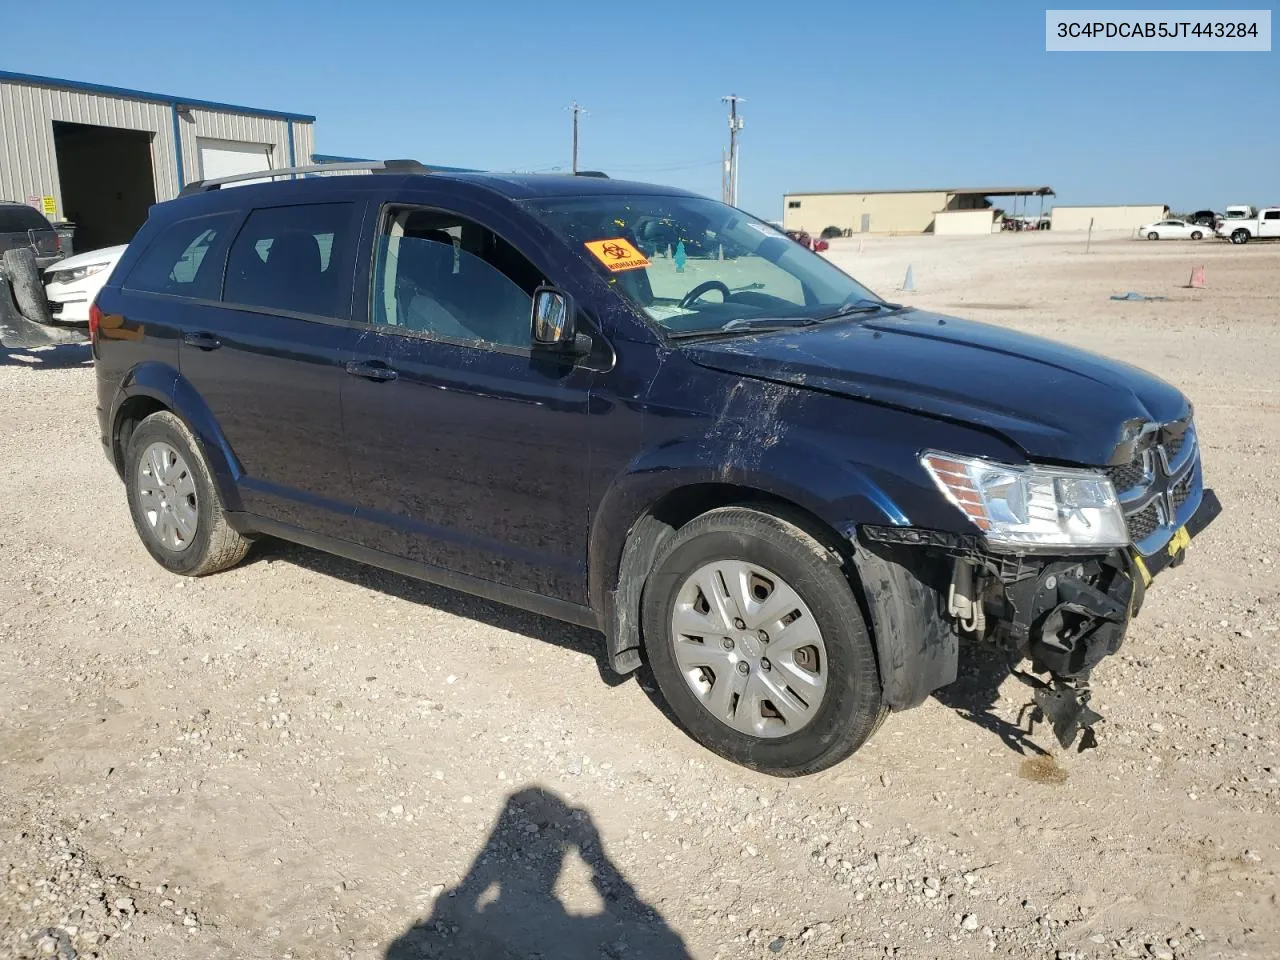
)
(1028, 506)
(76, 273)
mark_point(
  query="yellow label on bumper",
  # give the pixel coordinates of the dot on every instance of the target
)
(1179, 542)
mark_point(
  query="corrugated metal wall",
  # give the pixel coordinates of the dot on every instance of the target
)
(28, 162)
(270, 131)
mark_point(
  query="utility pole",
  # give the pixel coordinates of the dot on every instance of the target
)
(735, 124)
(577, 111)
(724, 176)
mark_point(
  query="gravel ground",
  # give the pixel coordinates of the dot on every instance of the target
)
(306, 758)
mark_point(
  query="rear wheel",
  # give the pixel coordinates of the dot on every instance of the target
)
(758, 644)
(175, 505)
(1196, 235)
(1153, 235)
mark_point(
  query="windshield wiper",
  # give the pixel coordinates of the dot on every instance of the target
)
(858, 306)
(746, 325)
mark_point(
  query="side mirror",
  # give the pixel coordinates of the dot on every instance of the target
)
(554, 326)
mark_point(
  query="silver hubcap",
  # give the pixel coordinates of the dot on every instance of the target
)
(167, 496)
(749, 648)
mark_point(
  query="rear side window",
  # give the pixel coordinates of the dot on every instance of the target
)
(185, 259)
(294, 260)
(19, 218)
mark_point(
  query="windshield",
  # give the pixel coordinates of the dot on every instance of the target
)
(693, 264)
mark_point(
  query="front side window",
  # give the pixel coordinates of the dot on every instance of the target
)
(182, 260)
(443, 276)
(294, 259)
(696, 265)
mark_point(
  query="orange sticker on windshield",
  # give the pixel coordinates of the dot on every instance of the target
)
(617, 255)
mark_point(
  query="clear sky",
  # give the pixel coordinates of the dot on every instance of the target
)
(839, 94)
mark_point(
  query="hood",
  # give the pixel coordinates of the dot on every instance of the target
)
(105, 255)
(1055, 402)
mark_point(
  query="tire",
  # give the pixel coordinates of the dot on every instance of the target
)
(1197, 235)
(1240, 236)
(780, 554)
(210, 544)
(28, 291)
(1153, 235)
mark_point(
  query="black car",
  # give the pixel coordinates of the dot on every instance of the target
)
(23, 227)
(788, 495)
(1205, 218)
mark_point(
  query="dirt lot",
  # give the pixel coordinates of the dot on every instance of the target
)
(306, 758)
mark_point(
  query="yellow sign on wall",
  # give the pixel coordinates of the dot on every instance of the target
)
(50, 207)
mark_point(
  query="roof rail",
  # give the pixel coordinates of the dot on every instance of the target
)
(364, 166)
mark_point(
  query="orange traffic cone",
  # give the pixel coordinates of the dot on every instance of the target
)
(1197, 277)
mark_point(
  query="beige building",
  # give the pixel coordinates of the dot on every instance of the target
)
(1107, 217)
(898, 211)
(964, 223)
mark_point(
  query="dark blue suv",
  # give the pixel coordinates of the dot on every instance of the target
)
(633, 408)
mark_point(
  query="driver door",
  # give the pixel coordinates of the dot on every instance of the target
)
(465, 445)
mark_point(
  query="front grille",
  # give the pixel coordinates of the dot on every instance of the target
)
(1161, 493)
(1143, 523)
(1182, 491)
(1128, 476)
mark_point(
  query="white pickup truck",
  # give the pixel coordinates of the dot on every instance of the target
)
(1263, 225)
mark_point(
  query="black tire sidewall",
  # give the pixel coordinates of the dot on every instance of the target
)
(28, 291)
(1197, 235)
(157, 427)
(851, 705)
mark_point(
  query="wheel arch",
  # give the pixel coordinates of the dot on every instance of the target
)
(154, 387)
(898, 590)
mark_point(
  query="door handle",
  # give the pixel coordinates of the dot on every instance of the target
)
(202, 341)
(371, 370)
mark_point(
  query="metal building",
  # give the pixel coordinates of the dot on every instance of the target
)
(1116, 216)
(901, 211)
(100, 156)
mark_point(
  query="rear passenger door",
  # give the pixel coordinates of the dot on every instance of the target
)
(466, 446)
(267, 360)
(1269, 224)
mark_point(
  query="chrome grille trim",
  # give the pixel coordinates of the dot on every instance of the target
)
(1161, 487)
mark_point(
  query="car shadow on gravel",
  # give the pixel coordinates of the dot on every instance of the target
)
(976, 691)
(566, 635)
(506, 906)
(59, 357)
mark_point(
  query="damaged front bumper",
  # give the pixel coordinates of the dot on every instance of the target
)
(1063, 614)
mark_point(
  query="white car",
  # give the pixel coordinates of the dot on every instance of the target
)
(1173, 230)
(72, 284)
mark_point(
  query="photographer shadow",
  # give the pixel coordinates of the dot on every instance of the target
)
(506, 907)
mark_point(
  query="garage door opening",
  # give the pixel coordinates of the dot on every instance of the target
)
(228, 158)
(107, 180)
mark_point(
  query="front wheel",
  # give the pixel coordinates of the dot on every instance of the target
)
(1153, 235)
(1240, 236)
(758, 643)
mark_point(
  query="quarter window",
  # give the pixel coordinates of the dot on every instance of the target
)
(294, 259)
(444, 276)
(185, 259)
